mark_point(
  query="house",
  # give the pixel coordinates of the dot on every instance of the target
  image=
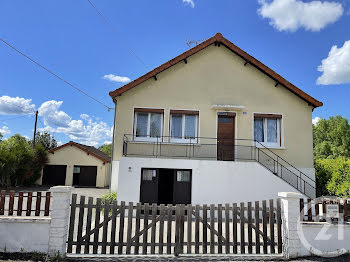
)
(212, 125)
(78, 165)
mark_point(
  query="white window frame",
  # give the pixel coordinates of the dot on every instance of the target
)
(183, 139)
(265, 143)
(148, 138)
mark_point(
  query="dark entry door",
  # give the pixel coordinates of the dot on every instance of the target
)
(87, 176)
(54, 175)
(225, 136)
(149, 185)
(182, 187)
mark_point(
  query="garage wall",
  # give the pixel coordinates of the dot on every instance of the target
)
(71, 156)
(213, 182)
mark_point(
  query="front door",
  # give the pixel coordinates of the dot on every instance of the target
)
(226, 137)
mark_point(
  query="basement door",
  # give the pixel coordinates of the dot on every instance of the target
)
(226, 137)
(165, 186)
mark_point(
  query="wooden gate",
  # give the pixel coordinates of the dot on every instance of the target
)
(117, 228)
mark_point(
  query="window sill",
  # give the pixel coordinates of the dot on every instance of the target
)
(147, 140)
(270, 147)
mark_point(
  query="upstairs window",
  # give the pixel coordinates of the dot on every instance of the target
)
(148, 124)
(267, 129)
(184, 126)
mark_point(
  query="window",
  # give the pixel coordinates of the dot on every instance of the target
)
(183, 126)
(183, 176)
(148, 174)
(267, 129)
(148, 124)
(76, 169)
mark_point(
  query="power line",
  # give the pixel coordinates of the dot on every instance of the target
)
(42, 125)
(108, 22)
(3, 120)
(55, 75)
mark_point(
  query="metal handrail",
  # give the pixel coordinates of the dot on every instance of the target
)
(196, 141)
(278, 157)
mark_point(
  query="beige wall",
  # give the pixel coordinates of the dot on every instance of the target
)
(71, 156)
(216, 75)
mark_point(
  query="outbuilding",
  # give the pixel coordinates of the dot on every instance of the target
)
(75, 164)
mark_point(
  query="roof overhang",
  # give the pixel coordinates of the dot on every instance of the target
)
(71, 143)
(218, 39)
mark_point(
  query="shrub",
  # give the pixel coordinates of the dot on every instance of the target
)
(20, 164)
(110, 197)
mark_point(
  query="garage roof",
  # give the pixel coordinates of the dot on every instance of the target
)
(90, 150)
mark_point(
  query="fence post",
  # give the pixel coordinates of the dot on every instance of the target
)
(61, 196)
(290, 203)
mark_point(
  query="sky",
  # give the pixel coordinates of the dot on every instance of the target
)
(307, 42)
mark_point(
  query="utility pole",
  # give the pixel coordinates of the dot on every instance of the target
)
(36, 121)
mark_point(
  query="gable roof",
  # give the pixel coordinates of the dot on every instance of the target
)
(219, 39)
(88, 149)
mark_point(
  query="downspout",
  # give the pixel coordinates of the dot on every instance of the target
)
(112, 153)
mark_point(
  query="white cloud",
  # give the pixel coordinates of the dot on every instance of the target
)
(114, 78)
(5, 130)
(336, 67)
(290, 15)
(52, 116)
(189, 2)
(16, 106)
(86, 130)
(84, 116)
(59, 143)
(107, 142)
(316, 120)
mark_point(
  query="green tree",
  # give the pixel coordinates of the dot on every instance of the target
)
(20, 164)
(332, 138)
(324, 170)
(339, 183)
(333, 177)
(107, 148)
(46, 140)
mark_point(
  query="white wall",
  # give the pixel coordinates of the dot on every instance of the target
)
(213, 182)
(323, 239)
(115, 175)
(39, 234)
(25, 234)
